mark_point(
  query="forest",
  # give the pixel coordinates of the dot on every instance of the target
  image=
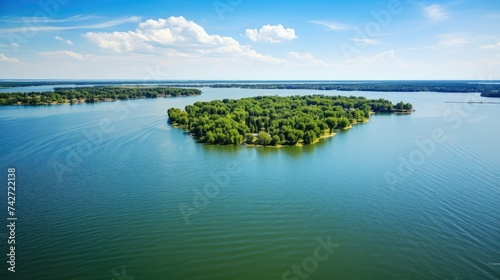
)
(92, 94)
(277, 121)
(491, 93)
(486, 89)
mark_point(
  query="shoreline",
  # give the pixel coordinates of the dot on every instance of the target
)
(300, 144)
(277, 121)
(84, 101)
(88, 95)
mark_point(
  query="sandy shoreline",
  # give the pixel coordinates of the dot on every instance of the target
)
(300, 144)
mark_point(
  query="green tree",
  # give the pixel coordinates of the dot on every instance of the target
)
(263, 138)
(343, 123)
(309, 137)
(332, 123)
(275, 140)
(283, 120)
(249, 138)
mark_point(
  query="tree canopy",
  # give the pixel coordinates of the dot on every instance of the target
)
(487, 89)
(93, 94)
(275, 120)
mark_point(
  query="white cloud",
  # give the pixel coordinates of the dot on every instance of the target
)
(64, 41)
(436, 13)
(56, 54)
(477, 63)
(331, 25)
(366, 41)
(387, 57)
(40, 27)
(387, 65)
(383, 60)
(495, 46)
(41, 20)
(174, 36)
(3, 58)
(450, 43)
(446, 43)
(271, 34)
(306, 59)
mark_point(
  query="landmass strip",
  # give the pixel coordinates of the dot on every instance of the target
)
(486, 90)
(277, 121)
(93, 94)
(485, 87)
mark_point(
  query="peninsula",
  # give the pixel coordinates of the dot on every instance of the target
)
(92, 94)
(486, 89)
(277, 121)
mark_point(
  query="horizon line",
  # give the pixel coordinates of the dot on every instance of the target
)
(239, 80)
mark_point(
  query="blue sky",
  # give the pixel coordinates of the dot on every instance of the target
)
(242, 39)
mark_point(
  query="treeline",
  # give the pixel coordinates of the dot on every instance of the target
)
(92, 94)
(274, 120)
(14, 83)
(491, 93)
(386, 86)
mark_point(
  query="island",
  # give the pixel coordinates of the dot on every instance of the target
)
(491, 93)
(93, 94)
(277, 121)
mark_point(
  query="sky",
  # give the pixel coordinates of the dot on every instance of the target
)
(250, 40)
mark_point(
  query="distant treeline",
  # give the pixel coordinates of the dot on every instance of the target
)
(274, 120)
(92, 94)
(4, 84)
(486, 90)
(491, 93)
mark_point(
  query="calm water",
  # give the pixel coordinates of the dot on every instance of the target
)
(100, 188)
(37, 88)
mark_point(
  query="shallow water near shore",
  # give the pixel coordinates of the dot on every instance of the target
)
(101, 190)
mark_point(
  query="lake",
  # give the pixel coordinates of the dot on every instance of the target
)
(38, 88)
(112, 191)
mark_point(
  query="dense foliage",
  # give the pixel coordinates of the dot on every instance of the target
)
(17, 83)
(93, 94)
(487, 89)
(384, 86)
(274, 120)
(491, 93)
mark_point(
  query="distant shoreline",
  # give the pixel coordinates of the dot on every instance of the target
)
(96, 94)
(486, 89)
